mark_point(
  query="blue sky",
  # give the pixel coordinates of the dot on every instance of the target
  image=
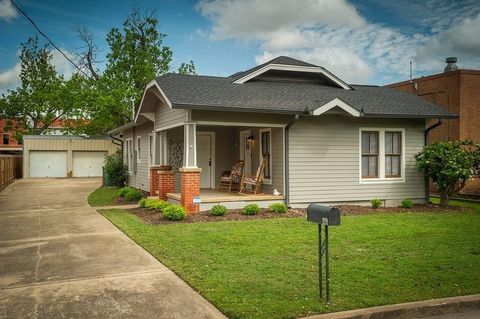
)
(370, 41)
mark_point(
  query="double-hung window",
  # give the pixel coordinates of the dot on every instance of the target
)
(382, 155)
(138, 149)
(128, 154)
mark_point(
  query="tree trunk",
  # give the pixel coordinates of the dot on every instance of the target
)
(443, 198)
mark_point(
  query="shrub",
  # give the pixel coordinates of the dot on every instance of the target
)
(115, 169)
(407, 203)
(278, 208)
(174, 212)
(143, 202)
(124, 191)
(133, 195)
(376, 203)
(159, 205)
(251, 209)
(218, 210)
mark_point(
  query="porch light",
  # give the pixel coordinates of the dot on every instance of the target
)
(250, 139)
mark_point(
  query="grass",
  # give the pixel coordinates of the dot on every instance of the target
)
(268, 268)
(103, 196)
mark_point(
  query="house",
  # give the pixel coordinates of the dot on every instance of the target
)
(8, 143)
(323, 140)
(456, 90)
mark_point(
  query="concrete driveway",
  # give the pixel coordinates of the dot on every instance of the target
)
(59, 258)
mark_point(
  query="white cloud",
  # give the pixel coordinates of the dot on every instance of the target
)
(7, 11)
(10, 78)
(461, 40)
(257, 18)
(334, 34)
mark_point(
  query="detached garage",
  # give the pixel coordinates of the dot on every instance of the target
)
(64, 156)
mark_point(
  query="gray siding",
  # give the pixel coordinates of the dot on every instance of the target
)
(140, 178)
(164, 116)
(324, 161)
(240, 117)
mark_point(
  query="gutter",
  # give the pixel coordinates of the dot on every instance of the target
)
(287, 162)
(425, 137)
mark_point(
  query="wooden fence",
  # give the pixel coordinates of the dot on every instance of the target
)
(10, 169)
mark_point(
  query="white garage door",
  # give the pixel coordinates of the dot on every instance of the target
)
(88, 164)
(48, 164)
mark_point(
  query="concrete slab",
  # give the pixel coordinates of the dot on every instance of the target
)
(59, 258)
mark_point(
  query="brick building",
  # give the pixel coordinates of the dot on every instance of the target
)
(8, 144)
(457, 90)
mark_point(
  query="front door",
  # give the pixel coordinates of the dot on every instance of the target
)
(205, 159)
(246, 151)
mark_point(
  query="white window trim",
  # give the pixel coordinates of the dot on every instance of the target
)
(151, 147)
(381, 157)
(266, 181)
(138, 149)
(128, 152)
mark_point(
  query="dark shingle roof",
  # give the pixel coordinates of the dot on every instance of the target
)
(209, 92)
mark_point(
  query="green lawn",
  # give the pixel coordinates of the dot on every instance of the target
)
(268, 268)
(103, 196)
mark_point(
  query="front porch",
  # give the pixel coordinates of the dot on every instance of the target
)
(192, 157)
(232, 200)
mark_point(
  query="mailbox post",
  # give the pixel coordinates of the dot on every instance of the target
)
(327, 216)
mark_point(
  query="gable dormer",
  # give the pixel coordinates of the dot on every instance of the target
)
(285, 69)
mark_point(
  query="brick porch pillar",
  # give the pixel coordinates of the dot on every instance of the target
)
(190, 187)
(166, 183)
(154, 177)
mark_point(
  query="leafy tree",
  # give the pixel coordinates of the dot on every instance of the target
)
(41, 97)
(450, 165)
(187, 68)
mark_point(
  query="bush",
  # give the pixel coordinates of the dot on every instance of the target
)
(153, 203)
(251, 209)
(174, 212)
(159, 205)
(278, 208)
(376, 203)
(124, 191)
(133, 195)
(407, 203)
(218, 210)
(116, 170)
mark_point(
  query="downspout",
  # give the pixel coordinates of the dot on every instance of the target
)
(427, 182)
(287, 162)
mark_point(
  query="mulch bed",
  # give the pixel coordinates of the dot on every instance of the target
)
(152, 217)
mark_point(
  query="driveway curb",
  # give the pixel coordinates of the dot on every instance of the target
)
(418, 309)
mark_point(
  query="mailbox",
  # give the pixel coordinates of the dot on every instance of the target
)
(323, 215)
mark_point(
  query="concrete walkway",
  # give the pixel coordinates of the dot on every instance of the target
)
(59, 258)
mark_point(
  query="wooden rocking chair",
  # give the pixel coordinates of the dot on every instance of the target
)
(235, 178)
(256, 182)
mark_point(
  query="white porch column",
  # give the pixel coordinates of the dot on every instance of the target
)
(161, 148)
(190, 145)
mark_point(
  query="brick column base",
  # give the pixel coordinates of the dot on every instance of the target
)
(166, 184)
(154, 173)
(190, 188)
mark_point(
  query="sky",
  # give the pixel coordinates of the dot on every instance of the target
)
(362, 42)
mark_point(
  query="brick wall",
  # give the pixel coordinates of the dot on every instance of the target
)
(190, 188)
(457, 91)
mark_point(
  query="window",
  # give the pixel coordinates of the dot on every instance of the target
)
(393, 153)
(151, 145)
(138, 149)
(6, 139)
(382, 155)
(369, 154)
(128, 154)
(265, 152)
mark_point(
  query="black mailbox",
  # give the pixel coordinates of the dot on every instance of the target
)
(323, 215)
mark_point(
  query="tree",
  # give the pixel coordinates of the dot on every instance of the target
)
(41, 97)
(187, 68)
(450, 165)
